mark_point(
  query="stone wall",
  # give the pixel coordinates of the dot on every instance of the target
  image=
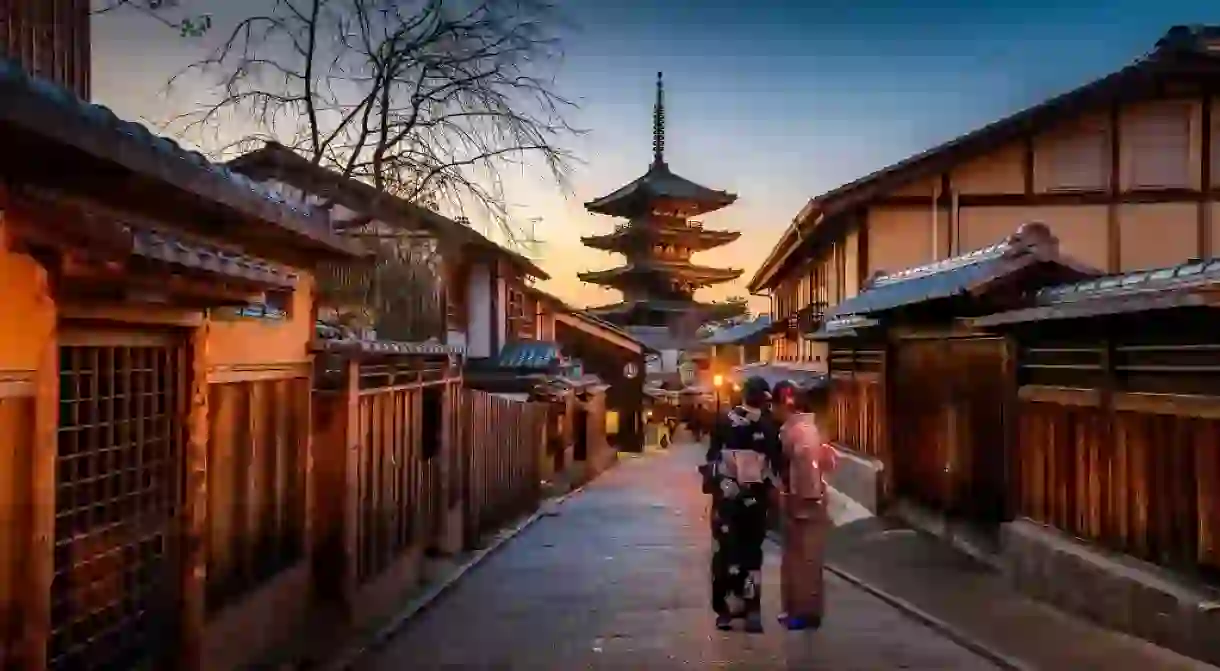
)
(1114, 591)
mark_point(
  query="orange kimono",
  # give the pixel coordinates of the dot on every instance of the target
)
(805, 520)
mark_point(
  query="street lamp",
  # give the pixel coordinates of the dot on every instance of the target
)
(717, 381)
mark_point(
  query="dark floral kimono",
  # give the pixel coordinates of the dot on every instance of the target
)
(744, 455)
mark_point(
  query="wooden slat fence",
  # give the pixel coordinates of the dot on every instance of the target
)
(857, 399)
(257, 454)
(1107, 454)
(502, 469)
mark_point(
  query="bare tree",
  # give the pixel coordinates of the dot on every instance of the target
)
(167, 12)
(431, 100)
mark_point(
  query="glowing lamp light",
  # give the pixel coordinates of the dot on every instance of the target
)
(717, 380)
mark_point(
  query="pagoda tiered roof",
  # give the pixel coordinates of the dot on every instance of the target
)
(681, 270)
(690, 235)
(656, 305)
(660, 186)
(658, 239)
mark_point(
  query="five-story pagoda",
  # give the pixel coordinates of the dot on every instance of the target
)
(658, 281)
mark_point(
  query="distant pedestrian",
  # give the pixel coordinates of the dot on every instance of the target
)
(743, 457)
(806, 520)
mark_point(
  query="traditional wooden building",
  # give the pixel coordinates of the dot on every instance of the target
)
(658, 282)
(739, 345)
(437, 278)
(1053, 419)
(154, 387)
(914, 390)
(1114, 451)
(1121, 168)
(607, 351)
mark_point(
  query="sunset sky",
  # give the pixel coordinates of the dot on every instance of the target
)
(775, 101)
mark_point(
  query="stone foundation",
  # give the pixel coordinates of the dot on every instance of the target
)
(1114, 591)
(858, 478)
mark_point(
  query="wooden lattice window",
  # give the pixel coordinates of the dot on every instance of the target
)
(519, 323)
(119, 488)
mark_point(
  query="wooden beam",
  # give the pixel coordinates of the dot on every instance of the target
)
(1085, 398)
(1027, 164)
(1141, 196)
(597, 331)
(195, 514)
(17, 383)
(1205, 180)
(161, 316)
(1179, 405)
(37, 620)
(233, 373)
(1113, 229)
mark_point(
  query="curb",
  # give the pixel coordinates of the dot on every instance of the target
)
(925, 618)
(347, 658)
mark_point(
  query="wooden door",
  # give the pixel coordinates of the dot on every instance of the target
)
(921, 433)
(119, 493)
(948, 430)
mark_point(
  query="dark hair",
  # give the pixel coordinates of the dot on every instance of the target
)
(815, 399)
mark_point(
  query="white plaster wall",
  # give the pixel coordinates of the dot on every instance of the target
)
(478, 319)
(501, 312)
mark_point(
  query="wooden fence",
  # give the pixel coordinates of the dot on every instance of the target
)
(1106, 454)
(504, 446)
(256, 483)
(857, 399)
(408, 462)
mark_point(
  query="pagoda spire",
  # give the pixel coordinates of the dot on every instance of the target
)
(658, 125)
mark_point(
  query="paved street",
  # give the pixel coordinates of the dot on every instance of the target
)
(618, 580)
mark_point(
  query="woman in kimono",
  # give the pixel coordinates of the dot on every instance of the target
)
(742, 458)
(803, 503)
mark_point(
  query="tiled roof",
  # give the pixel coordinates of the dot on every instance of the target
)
(659, 182)
(160, 247)
(1031, 246)
(332, 338)
(1140, 291)
(533, 354)
(740, 332)
(385, 347)
(847, 326)
(773, 373)
(942, 279)
(53, 111)
(1182, 276)
(677, 268)
(267, 161)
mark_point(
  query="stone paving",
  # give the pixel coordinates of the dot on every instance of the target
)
(617, 579)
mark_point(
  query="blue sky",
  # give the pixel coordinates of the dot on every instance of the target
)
(776, 101)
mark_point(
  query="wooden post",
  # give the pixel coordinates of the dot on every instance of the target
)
(36, 632)
(1011, 414)
(351, 473)
(195, 516)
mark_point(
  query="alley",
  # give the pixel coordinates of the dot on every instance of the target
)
(617, 580)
